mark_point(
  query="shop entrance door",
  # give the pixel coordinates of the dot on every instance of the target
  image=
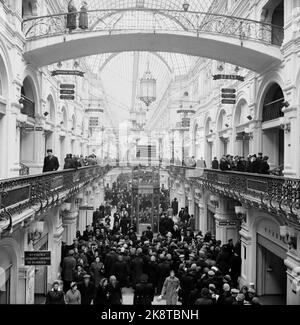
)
(271, 272)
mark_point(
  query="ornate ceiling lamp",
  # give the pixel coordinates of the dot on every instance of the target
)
(148, 88)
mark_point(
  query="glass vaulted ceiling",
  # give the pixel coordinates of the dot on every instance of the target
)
(118, 77)
(116, 69)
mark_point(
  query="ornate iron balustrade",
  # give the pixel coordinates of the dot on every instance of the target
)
(273, 111)
(274, 194)
(42, 191)
(115, 21)
(277, 195)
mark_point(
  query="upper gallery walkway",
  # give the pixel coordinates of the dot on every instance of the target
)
(246, 43)
(35, 194)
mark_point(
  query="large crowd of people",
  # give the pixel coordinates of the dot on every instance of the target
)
(257, 164)
(177, 264)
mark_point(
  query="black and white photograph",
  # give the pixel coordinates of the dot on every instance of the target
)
(149, 157)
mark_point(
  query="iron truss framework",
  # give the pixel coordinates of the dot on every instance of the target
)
(276, 195)
(114, 21)
(41, 192)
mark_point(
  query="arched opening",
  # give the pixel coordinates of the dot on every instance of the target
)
(271, 278)
(273, 13)
(8, 274)
(28, 98)
(209, 141)
(223, 138)
(278, 20)
(242, 118)
(49, 137)
(273, 134)
(27, 135)
(62, 138)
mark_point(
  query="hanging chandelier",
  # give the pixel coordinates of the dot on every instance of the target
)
(148, 88)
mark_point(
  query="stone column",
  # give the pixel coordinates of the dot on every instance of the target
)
(248, 252)
(56, 252)
(226, 224)
(292, 263)
(202, 217)
(291, 139)
(70, 223)
(26, 276)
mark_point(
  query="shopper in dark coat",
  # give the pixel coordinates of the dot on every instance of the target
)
(97, 271)
(71, 16)
(121, 271)
(144, 292)
(101, 297)
(175, 206)
(137, 268)
(69, 162)
(205, 298)
(152, 271)
(186, 285)
(87, 290)
(50, 162)
(215, 163)
(163, 271)
(55, 296)
(68, 268)
(114, 292)
(109, 262)
(264, 166)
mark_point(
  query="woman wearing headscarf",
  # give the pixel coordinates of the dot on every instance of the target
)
(83, 16)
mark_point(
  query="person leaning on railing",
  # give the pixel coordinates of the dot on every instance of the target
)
(257, 164)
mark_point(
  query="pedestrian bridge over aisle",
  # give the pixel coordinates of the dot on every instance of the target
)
(246, 43)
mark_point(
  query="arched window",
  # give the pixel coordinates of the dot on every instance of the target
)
(27, 99)
(222, 121)
(273, 13)
(272, 108)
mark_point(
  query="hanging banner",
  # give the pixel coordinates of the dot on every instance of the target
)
(67, 73)
(67, 86)
(67, 97)
(228, 77)
(228, 101)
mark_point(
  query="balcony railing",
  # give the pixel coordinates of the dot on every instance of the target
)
(277, 195)
(273, 111)
(40, 192)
